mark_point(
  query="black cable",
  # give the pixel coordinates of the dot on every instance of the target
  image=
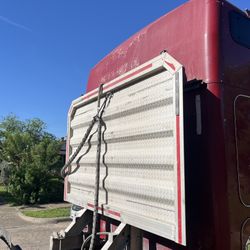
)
(68, 163)
(97, 177)
(106, 167)
(80, 157)
(84, 139)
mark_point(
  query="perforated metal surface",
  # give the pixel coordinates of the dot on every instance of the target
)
(141, 160)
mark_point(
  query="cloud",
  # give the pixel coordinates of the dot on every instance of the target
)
(20, 26)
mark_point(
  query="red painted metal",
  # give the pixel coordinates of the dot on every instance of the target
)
(103, 229)
(115, 213)
(179, 179)
(182, 28)
(197, 34)
(109, 85)
(215, 143)
(145, 243)
(128, 76)
(161, 247)
(170, 65)
(235, 66)
(242, 137)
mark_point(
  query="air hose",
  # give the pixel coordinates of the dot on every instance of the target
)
(96, 119)
(97, 174)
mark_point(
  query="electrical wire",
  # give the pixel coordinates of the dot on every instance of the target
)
(90, 236)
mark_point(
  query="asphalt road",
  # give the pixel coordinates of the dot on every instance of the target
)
(29, 236)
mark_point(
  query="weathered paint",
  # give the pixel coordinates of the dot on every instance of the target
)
(184, 28)
(197, 34)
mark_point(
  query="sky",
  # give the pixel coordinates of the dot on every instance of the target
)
(48, 47)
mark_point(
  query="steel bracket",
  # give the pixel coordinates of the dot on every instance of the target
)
(72, 236)
(118, 239)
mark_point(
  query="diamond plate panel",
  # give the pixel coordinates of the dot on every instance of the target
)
(140, 163)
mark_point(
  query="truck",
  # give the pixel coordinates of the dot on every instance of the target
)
(158, 149)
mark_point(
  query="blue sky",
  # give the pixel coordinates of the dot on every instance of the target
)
(48, 47)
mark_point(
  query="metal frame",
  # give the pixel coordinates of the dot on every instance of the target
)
(162, 62)
(72, 236)
(124, 237)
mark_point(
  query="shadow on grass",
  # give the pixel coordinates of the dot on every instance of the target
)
(33, 206)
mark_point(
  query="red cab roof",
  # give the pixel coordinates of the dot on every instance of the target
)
(189, 33)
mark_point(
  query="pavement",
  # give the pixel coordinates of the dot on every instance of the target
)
(29, 235)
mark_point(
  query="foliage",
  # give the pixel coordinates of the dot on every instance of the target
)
(34, 158)
(5, 195)
(5, 170)
(48, 213)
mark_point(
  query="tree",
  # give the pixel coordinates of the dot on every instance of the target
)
(34, 158)
(4, 172)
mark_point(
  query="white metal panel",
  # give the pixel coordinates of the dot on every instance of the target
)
(144, 162)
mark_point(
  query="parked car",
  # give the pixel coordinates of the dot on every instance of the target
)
(75, 211)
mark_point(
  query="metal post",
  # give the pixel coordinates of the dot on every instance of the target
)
(97, 176)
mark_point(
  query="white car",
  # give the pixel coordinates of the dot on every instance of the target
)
(75, 211)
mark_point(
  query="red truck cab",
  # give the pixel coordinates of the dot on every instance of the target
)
(211, 39)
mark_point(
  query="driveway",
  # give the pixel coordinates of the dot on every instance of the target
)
(28, 235)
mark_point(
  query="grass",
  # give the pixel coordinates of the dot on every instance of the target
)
(7, 197)
(48, 213)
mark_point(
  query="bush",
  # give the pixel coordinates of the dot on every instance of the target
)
(31, 184)
(34, 157)
(5, 171)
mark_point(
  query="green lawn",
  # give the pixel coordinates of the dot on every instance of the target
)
(48, 213)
